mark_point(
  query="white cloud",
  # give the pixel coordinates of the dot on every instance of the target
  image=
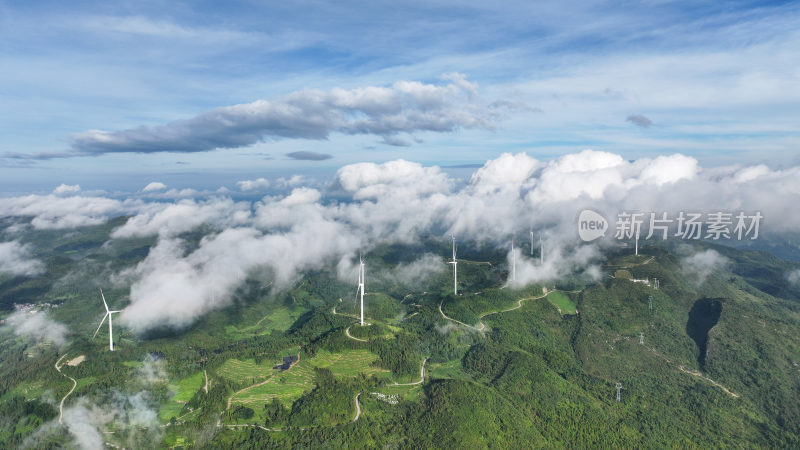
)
(54, 212)
(66, 189)
(154, 186)
(82, 425)
(403, 108)
(282, 236)
(417, 271)
(250, 185)
(669, 169)
(699, 266)
(560, 260)
(372, 181)
(504, 173)
(300, 196)
(152, 371)
(15, 259)
(171, 219)
(134, 418)
(794, 277)
(37, 326)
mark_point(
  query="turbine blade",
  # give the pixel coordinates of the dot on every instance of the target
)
(98, 327)
(104, 299)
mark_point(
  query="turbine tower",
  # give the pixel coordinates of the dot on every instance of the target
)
(454, 262)
(361, 286)
(110, 330)
(541, 250)
(531, 240)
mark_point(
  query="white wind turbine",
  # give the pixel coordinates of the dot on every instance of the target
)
(454, 262)
(361, 286)
(541, 250)
(108, 314)
(531, 240)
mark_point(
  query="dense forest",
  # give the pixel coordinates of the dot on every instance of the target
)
(711, 364)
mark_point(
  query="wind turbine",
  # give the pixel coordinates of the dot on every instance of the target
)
(108, 314)
(541, 249)
(454, 262)
(361, 285)
(531, 240)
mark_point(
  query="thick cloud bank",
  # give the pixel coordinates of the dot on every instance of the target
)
(310, 227)
(58, 212)
(405, 107)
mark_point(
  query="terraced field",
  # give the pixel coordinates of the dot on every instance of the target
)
(286, 386)
(245, 371)
(290, 385)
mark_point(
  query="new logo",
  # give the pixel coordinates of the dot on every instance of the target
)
(591, 225)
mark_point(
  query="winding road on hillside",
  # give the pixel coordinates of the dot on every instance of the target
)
(343, 314)
(519, 304)
(347, 332)
(701, 376)
(474, 262)
(421, 376)
(648, 261)
(74, 385)
(358, 408)
(693, 373)
(481, 328)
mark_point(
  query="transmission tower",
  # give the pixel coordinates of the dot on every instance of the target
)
(655, 283)
(619, 388)
(650, 301)
(641, 338)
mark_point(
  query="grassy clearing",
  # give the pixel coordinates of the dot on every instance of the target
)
(85, 381)
(280, 319)
(623, 274)
(449, 369)
(184, 391)
(561, 301)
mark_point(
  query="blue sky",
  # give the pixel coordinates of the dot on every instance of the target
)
(714, 80)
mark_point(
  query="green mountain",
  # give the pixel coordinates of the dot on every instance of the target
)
(704, 360)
